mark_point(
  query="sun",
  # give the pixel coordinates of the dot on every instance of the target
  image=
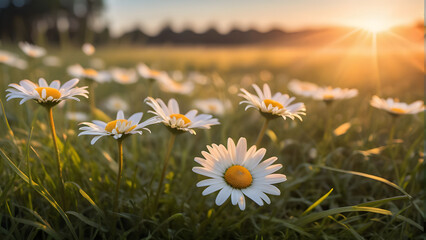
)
(374, 25)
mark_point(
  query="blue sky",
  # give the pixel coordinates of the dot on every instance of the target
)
(151, 15)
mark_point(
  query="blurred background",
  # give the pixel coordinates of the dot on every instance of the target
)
(342, 43)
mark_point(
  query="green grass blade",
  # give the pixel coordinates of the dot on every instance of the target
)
(88, 221)
(40, 226)
(411, 222)
(315, 216)
(310, 208)
(377, 203)
(42, 191)
(373, 177)
(87, 197)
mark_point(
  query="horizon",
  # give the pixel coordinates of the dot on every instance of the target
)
(152, 17)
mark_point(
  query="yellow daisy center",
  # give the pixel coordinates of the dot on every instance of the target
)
(238, 177)
(32, 53)
(180, 116)
(212, 107)
(398, 110)
(113, 125)
(154, 73)
(50, 92)
(273, 103)
(90, 72)
(124, 77)
(328, 97)
(3, 58)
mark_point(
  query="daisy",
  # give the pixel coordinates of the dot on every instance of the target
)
(119, 129)
(147, 73)
(76, 116)
(273, 106)
(48, 96)
(77, 70)
(12, 60)
(88, 49)
(115, 103)
(171, 117)
(211, 105)
(32, 50)
(45, 94)
(329, 94)
(198, 78)
(238, 172)
(52, 61)
(396, 108)
(124, 76)
(171, 86)
(302, 88)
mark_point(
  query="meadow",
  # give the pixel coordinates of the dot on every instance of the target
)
(359, 182)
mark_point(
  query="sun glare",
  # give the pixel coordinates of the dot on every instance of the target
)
(374, 25)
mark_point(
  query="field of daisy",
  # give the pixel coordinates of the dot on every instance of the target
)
(209, 143)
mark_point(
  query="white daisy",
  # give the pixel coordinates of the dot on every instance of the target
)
(46, 95)
(52, 61)
(124, 76)
(198, 78)
(171, 86)
(278, 105)
(306, 89)
(115, 103)
(77, 70)
(238, 172)
(147, 73)
(211, 105)
(328, 94)
(32, 50)
(394, 107)
(118, 128)
(77, 116)
(12, 60)
(88, 49)
(176, 122)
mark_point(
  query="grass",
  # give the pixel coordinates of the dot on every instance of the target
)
(367, 200)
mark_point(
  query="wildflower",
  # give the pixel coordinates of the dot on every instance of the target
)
(32, 50)
(329, 94)
(396, 108)
(44, 94)
(77, 70)
(211, 105)
(271, 107)
(176, 122)
(147, 73)
(76, 116)
(278, 105)
(88, 49)
(115, 103)
(12, 60)
(119, 128)
(238, 172)
(306, 89)
(48, 96)
(124, 76)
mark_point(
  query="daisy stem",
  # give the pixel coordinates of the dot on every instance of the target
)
(163, 173)
(262, 132)
(58, 160)
(120, 170)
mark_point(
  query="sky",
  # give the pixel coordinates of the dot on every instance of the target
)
(263, 15)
